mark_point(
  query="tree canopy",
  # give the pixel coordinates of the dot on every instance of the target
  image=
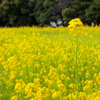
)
(41, 12)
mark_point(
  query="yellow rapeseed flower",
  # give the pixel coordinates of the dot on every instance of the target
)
(14, 97)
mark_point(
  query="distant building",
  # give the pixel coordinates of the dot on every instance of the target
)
(53, 24)
(59, 22)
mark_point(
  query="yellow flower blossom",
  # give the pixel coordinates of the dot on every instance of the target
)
(14, 97)
(56, 94)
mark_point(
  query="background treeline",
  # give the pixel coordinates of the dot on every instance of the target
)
(41, 12)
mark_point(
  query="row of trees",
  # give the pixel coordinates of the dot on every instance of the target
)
(41, 12)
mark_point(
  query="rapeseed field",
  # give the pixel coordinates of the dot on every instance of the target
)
(50, 63)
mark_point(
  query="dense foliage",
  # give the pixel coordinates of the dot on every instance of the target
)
(41, 12)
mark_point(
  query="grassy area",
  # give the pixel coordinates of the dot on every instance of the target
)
(49, 64)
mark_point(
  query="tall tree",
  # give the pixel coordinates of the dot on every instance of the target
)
(93, 12)
(76, 9)
(42, 11)
(16, 12)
